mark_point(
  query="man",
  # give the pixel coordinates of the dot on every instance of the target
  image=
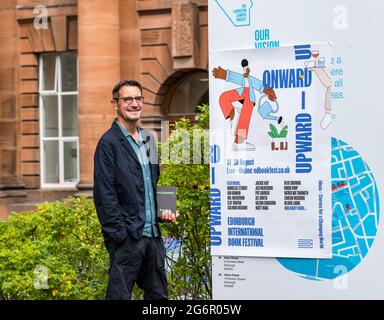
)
(126, 172)
(244, 94)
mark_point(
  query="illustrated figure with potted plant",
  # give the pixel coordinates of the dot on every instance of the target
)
(245, 94)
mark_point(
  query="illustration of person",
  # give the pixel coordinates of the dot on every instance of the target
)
(318, 67)
(246, 96)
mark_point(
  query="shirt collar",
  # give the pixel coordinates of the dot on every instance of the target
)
(127, 134)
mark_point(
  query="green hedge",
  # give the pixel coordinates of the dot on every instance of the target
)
(56, 252)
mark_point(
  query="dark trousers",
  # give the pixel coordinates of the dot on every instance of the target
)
(140, 261)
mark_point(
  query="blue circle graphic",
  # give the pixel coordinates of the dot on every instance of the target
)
(356, 211)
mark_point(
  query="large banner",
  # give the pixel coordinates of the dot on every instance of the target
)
(353, 111)
(270, 113)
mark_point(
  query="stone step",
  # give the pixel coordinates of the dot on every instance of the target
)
(13, 194)
(26, 200)
(42, 195)
(17, 207)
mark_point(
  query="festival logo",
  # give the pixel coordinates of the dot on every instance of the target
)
(238, 14)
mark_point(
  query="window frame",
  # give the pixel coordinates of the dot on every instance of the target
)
(61, 140)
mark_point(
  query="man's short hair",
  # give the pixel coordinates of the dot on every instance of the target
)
(122, 83)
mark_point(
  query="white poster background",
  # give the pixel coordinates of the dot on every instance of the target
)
(291, 226)
(354, 29)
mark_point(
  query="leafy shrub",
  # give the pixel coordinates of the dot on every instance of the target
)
(190, 275)
(56, 252)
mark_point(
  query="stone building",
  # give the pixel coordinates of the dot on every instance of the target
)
(59, 60)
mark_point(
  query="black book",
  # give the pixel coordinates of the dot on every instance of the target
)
(166, 200)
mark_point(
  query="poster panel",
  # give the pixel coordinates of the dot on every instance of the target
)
(357, 175)
(270, 113)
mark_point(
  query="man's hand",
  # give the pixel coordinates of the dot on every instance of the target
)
(271, 94)
(219, 73)
(169, 216)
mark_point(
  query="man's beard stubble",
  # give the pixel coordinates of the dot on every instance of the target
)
(124, 116)
(121, 114)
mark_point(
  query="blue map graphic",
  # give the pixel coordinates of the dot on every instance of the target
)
(355, 204)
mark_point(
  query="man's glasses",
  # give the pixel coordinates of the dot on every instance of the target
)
(129, 100)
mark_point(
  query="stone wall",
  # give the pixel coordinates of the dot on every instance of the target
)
(154, 41)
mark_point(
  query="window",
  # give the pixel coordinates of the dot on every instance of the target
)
(187, 93)
(59, 137)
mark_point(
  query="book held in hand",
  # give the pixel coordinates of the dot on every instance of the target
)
(166, 200)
